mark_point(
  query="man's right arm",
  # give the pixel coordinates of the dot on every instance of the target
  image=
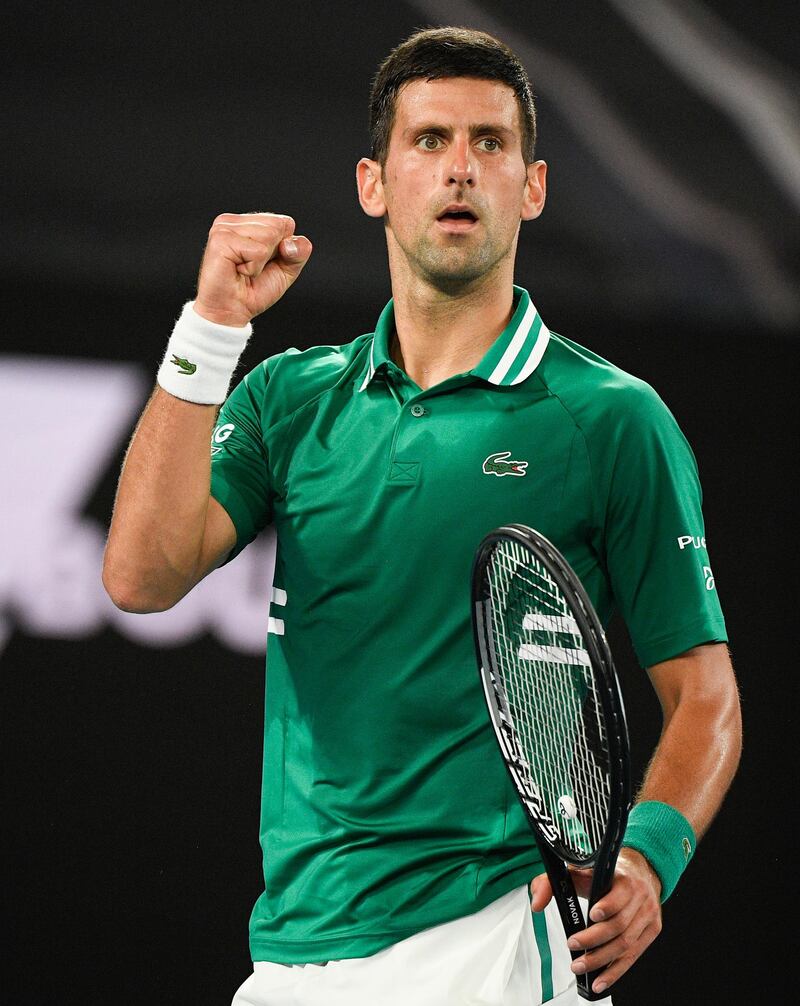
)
(167, 532)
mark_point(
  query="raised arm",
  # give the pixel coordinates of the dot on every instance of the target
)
(167, 532)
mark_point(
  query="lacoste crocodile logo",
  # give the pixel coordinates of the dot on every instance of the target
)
(184, 365)
(498, 464)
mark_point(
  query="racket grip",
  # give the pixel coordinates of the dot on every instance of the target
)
(601, 885)
(572, 919)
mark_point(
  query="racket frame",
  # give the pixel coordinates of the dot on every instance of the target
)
(552, 850)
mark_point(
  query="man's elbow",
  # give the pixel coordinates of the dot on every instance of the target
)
(133, 597)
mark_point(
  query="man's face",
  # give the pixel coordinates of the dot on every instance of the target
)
(455, 146)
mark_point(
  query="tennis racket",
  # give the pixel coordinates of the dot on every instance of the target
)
(556, 708)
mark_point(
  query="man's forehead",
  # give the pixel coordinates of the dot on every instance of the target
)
(456, 99)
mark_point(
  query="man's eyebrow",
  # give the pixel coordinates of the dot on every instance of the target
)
(480, 129)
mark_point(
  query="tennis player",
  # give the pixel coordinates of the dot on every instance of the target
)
(398, 864)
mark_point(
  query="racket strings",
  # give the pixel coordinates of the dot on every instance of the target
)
(548, 692)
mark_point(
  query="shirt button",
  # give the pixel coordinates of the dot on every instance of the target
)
(417, 410)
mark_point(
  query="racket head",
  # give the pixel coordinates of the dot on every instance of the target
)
(576, 800)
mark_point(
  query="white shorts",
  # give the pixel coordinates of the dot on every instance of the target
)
(491, 958)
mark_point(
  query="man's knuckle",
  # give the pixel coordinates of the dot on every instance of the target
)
(276, 219)
(626, 942)
(614, 971)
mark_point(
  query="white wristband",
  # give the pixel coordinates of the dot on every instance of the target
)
(201, 358)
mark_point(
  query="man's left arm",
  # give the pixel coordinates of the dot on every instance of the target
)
(691, 770)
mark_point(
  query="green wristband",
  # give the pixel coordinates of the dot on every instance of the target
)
(665, 839)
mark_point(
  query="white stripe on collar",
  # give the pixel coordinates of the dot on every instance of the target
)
(514, 345)
(371, 367)
(536, 354)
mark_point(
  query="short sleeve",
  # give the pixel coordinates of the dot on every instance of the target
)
(655, 541)
(240, 479)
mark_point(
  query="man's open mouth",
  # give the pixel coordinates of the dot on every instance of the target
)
(457, 215)
(456, 219)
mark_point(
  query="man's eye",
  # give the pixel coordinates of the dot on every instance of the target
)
(494, 144)
(428, 141)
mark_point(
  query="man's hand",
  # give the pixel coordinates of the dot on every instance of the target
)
(623, 924)
(250, 261)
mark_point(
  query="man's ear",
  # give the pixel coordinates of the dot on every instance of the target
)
(535, 191)
(369, 179)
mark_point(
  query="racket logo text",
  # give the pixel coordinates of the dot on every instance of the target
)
(519, 768)
(572, 906)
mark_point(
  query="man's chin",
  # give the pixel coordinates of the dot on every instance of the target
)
(454, 283)
(453, 277)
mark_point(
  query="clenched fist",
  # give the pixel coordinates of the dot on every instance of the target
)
(250, 261)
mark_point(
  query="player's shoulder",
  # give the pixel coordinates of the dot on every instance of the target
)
(295, 377)
(595, 390)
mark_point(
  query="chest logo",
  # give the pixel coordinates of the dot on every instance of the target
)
(498, 464)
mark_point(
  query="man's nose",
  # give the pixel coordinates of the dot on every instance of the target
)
(460, 164)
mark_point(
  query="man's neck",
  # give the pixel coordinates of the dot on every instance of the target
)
(439, 335)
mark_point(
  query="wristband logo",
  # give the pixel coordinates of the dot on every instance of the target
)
(184, 367)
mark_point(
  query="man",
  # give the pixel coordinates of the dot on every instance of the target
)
(396, 857)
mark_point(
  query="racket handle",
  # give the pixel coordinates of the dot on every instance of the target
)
(601, 885)
(569, 909)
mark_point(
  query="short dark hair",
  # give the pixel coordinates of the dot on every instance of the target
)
(431, 53)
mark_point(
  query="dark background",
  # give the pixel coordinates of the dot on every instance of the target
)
(669, 245)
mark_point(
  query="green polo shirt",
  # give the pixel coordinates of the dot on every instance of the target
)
(385, 806)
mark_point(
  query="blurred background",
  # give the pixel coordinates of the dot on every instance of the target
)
(670, 244)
